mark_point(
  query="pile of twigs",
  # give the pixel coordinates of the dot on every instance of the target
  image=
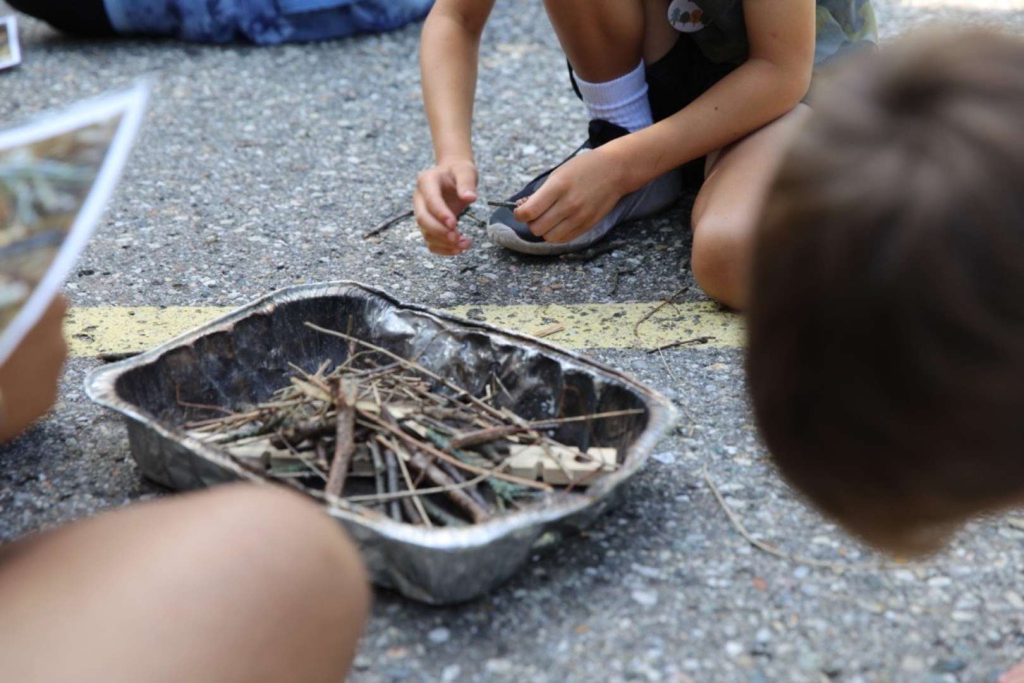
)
(382, 435)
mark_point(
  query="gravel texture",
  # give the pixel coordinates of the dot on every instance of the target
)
(262, 167)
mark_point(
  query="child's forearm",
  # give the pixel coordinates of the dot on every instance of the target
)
(753, 95)
(448, 61)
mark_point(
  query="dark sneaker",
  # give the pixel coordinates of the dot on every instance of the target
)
(504, 230)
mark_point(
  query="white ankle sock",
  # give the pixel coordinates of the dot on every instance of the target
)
(622, 101)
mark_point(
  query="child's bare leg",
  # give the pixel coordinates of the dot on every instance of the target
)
(602, 39)
(728, 207)
(236, 584)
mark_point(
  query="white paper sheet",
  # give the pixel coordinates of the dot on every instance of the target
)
(10, 45)
(56, 176)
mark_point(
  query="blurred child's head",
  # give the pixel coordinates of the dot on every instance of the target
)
(886, 323)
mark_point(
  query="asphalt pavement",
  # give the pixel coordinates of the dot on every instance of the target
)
(263, 167)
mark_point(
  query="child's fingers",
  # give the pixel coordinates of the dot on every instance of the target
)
(444, 248)
(431, 228)
(1014, 675)
(539, 202)
(565, 231)
(465, 183)
(429, 184)
(547, 221)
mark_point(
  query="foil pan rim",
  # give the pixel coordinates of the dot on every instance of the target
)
(100, 386)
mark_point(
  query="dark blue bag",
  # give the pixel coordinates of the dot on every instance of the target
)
(265, 22)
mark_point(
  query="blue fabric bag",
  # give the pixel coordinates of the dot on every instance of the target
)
(264, 22)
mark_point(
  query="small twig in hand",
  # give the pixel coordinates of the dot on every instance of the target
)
(388, 224)
(696, 341)
(503, 205)
(468, 213)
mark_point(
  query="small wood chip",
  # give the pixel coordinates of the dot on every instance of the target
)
(548, 330)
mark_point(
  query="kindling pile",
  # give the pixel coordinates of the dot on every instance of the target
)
(380, 434)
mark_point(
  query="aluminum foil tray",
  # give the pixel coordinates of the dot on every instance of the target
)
(244, 356)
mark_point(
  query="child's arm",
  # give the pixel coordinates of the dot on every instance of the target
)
(448, 60)
(28, 378)
(769, 84)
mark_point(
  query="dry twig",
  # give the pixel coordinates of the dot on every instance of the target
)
(761, 545)
(666, 302)
(344, 439)
(696, 341)
(387, 224)
(382, 430)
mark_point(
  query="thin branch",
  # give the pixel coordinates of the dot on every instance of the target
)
(344, 441)
(767, 547)
(408, 479)
(413, 365)
(482, 436)
(441, 455)
(696, 341)
(388, 224)
(666, 302)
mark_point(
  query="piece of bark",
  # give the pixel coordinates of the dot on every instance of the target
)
(344, 440)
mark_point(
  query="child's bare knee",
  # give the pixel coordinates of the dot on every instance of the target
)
(279, 536)
(293, 562)
(285, 517)
(719, 261)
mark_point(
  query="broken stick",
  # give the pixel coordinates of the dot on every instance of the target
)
(344, 443)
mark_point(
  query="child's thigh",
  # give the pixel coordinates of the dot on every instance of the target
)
(738, 176)
(191, 588)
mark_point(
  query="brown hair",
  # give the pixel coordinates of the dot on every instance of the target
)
(886, 323)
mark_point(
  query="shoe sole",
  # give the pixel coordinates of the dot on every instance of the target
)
(505, 236)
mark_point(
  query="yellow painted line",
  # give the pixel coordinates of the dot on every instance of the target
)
(95, 330)
(617, 326)
(92, 331)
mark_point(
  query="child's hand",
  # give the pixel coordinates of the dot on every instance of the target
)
(1014, 675)
(28, 379)
(442, 193)
(577, 195)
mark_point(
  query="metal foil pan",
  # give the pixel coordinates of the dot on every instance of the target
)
(241, 358)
